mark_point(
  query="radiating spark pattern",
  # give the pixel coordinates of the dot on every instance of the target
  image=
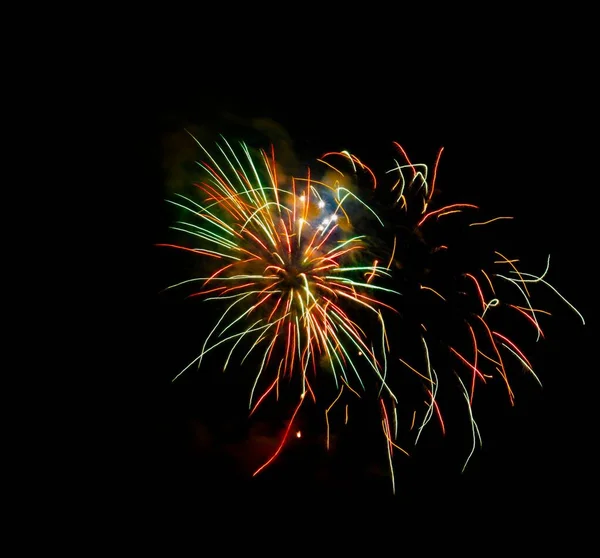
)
(288, 271)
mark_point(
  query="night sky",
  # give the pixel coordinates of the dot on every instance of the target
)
(510, 147)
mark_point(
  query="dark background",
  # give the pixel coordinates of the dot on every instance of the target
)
(514, 145)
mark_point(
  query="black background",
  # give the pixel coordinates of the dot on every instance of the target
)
(513, 144)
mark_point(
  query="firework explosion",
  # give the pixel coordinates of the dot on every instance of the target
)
(303, 294)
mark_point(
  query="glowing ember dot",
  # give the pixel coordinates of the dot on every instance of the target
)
(298, 434)
(334, 217)
(302, 198)
(321, 204)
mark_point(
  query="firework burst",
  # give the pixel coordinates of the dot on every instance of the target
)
(303, 295)
(458, 297)
(286, 265)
